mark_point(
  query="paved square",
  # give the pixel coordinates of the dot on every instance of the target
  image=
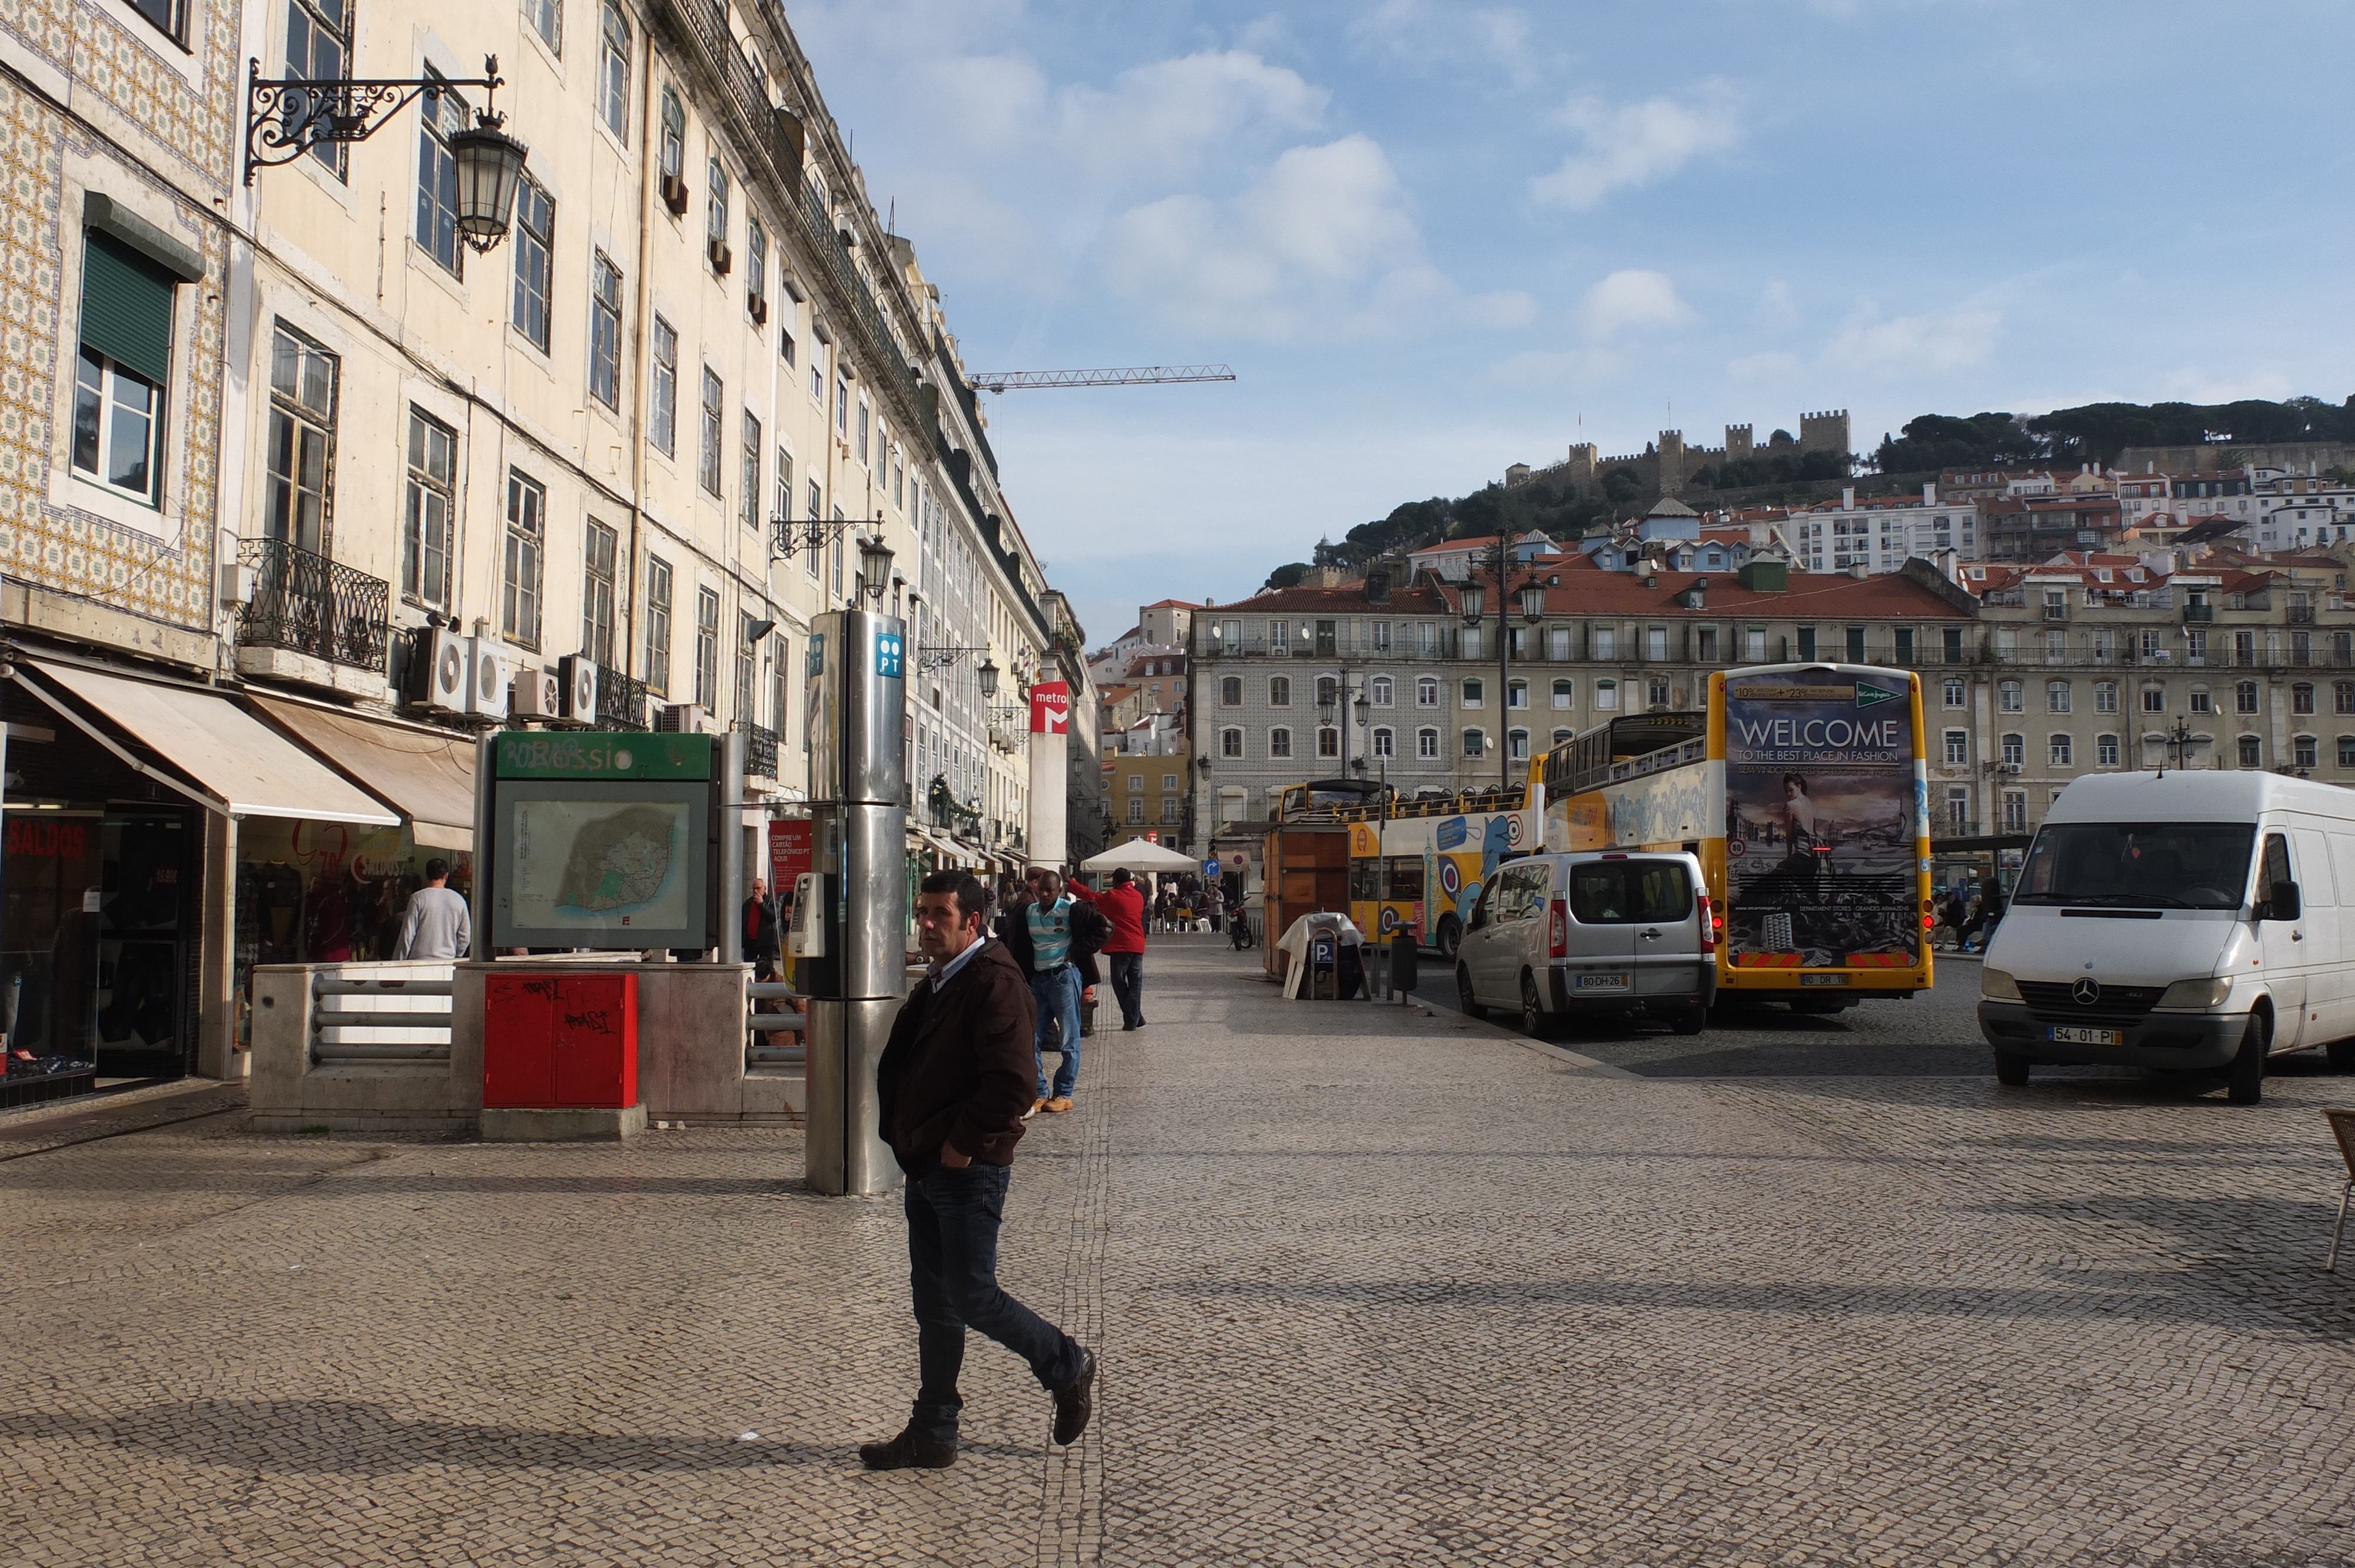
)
(1370, 1286)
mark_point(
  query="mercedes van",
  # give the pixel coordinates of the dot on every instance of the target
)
(2199, 920)
(1554, 936)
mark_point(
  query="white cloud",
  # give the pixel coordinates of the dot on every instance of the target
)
(1551, 367)
(1504, 310)
(1319, 246)
(1637, 144)
(1631, 299)
(1943, 341)
(1778, 307)
(2192, 385)
(1157, 121)
(1420, 36)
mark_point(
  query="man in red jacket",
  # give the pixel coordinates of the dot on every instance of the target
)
(953, 1085)
(1123, 905)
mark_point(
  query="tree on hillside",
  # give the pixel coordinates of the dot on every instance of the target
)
(1942, 441)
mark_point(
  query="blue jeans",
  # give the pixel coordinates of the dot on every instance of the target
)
(952, 1220)
(1128, 985)
(1056, 993)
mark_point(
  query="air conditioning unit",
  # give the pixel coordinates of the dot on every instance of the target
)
(674, 193)
(576, 688)
(684, 718)
(538, 695)
(486, 679)
(438, 665)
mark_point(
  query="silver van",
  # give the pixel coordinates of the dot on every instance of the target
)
(1557, 936)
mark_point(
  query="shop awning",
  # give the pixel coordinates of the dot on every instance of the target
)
(243, 767)
(428, 777)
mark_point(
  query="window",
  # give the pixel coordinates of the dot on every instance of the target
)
(1426, 744)
(1230, 743)
(425, 518)
(1565, 692)
(1517, 693)
(707, 649)
(1516, 745)
(1328, 742)
(674, 137)
(2105, 751)
(1279, 742)
(2015, 751)
(747, 645)
(605, 332)
(2154, 699)
(1656, 692)
(1806, 642)
(1606, 695)
(2301, 697)
(1958, 747)
(2056, 696)
(785, 490)
(1136, 809)
(749, 506)
(599, 550)
(1169, 805)
(2342, 697)
(534, 249)
(708, 470)
(2200, 703)
(1327, 690)
(318, 48)
(302, 384)
(614, 73)
(1230, 692)
(1602, 643)
(2105, 696)
(2062, 749)
(2015, 811)
(1382, 743)
(662, 415)
(1475, 743)
(2252, 753)
(2347, 751)
(1958, 810)
(1426, 692)
(521, 568)
(547, 19)
(756, 262)
(658, 627)
(784, 346)
(715, 204)
(2008, 697)
(2245, 697)
(441, 114)
(2302, 751)
(1472, 692)
(1279, 691)
(1379, 632)
(1379, 691)
(863, 416)
(1656, 642)
(124, 367)
(1952, 691)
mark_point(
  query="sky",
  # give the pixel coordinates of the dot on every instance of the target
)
(1434, 239)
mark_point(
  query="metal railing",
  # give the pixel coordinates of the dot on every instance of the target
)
(345, 1031)
(620, 701)
(760, 750)
(762, 1049)
(308, 604)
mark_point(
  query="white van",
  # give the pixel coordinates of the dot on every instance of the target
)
(1559, 936)
(2199, 920)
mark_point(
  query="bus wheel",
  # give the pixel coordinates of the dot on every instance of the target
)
(1451, 937)
(1470, 1008)
(2245, 1080)
(2011, 1069)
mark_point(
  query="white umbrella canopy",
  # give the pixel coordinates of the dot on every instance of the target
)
(1138, 856)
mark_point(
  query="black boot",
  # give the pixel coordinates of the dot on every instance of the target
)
(1075, 1402)
(910, 1450)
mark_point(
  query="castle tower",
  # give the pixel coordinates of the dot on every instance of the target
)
(1737, 442)
(1825, 432)
(1672, 462)
(1579, 469)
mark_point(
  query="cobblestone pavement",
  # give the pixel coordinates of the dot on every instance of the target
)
(1370, 1286)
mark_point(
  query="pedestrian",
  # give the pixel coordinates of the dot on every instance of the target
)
(761, 946)
(1048, 933)
(951, 1089)
(1124, 906)
(437, 924)
(1982, 919)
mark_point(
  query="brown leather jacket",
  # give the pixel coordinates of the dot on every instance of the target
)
(960, 1066)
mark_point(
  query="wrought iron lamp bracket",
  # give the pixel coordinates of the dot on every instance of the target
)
(287, 118)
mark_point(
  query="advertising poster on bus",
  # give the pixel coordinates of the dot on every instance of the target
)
(1820, 833)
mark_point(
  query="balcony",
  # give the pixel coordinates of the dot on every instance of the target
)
(760, 750)
(305, 604)
(2301, 615)
(620, 701)
(2198, 614)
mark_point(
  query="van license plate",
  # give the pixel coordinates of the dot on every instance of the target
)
(2065, 1034)
(1599, 983)
(1823, 980)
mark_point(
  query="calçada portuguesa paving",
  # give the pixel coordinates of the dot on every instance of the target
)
(1370, 1286)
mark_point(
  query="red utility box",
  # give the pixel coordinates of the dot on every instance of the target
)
(553, 1041)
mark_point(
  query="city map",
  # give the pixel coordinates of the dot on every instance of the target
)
(595, 864)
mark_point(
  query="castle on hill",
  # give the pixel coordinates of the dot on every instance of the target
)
(1668, 466)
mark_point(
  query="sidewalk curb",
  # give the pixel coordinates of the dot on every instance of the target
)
(1542, 1047)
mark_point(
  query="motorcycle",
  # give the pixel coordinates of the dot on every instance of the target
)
(1239, 931)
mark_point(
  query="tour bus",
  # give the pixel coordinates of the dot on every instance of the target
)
(2197, 920)
(1417, 863)
(1802, 789)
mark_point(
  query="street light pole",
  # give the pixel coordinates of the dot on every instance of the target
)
(1504, 678)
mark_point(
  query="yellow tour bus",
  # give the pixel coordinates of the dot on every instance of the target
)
(1803, 789)
(1418, 862)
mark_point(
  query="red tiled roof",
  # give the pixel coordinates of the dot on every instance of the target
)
(1885, 595)
(1349, 600)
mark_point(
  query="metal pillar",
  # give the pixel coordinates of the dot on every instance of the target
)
(857, 707)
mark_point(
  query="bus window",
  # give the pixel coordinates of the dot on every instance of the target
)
(1365, 880)
(1406, 880)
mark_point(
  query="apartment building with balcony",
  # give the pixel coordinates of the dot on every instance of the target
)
(1881, 533)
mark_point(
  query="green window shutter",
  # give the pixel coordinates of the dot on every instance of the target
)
(127, 306)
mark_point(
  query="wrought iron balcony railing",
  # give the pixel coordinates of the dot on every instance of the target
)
(760, 750)
(620, 701)
(305, 603)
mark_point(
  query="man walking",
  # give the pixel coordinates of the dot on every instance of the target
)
(436, 922)
(1124, 906)
(1049, 935)
(761, 948)
(953, 1085)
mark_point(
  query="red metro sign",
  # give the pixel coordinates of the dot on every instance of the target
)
(1051, 708)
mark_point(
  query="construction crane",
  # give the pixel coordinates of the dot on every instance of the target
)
(1133, 375)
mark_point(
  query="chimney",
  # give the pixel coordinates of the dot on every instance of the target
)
(1929, 492)
(1847, 498)
(1860, 571)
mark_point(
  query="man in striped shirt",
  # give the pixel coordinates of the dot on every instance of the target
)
(1044, 931)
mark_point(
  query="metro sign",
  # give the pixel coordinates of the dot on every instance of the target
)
(1051, 707)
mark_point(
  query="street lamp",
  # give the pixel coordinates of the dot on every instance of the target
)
(287, 118)
(988, 673)
(874, 566)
